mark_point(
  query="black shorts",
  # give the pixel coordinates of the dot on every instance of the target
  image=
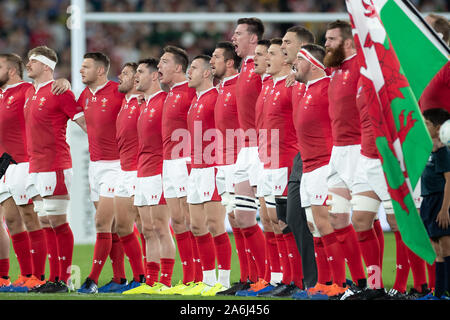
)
(429, 210)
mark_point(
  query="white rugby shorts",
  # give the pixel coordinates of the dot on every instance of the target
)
(14, 183)
(313, 187)
(175, 177)
(341, 168)
(103, 175)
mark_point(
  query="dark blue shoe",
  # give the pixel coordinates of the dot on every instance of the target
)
(300, 295)
(113, 287)
(88, 287)
(263, 290)
(133, 284)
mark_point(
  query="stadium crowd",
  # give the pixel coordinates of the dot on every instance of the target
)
(293, 140)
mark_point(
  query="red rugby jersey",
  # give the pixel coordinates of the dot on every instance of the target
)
(46, 118)
(100, 109)
(344, 114)
(174, 116)
(126, 133)
(278, 116)
(313, 125)
(368, 147)
(297, 93)
(200, 119)
(259, 114)
(437, 92)
(150, 136)
(247, 91)
(225, 116)
(13, 137)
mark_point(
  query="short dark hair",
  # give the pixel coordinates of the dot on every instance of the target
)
(151, 63)
(303, 34)
(132, 65)
(180, 56)
(255, 26)
(264, 42)
(44, 51)
(14, 61)
(206, 59)
(437, 116)
(316, 51)
(229, 52)
(277, 41)
(344, 26)
(99, 57)
(441, 25)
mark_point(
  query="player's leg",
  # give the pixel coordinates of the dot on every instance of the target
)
(4, 254)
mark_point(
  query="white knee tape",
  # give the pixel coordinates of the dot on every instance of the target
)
(270, 201)
(311, 223)
(56, 206)
(245, 203)
(228, 201)
(363, 203)
(338, 204)
(39, 208)
(388, 207)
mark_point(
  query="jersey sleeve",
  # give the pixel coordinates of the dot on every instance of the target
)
(70, 106)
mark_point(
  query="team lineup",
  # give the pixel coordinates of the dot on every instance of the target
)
(276, 127)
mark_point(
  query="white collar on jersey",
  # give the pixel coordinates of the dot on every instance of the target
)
(310, 83)
(147, 99)
(199, 94)
(41, 85)
(178, 84)
(99, 87)
(224, 80)
(10, 86)
(265, 76)
(128, 98)
(249, 57)
(350, 57)
(275, 80)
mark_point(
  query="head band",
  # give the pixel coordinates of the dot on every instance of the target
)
(308, 56)
(48, 62)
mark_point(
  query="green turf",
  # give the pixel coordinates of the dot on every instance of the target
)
(82, 260)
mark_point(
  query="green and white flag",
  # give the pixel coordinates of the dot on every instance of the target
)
(421, 52)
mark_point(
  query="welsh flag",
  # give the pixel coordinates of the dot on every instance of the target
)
(402, 138)
(413, 41)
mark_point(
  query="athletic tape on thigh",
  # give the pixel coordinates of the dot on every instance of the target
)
(310, 220)
(39, 208)
(363, 203)
(245, 203)
(338, 204)
(228, 201)
(56, 206)
(388, 207)
(270, 201)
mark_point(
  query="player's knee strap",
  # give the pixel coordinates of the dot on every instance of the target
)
(270, 201)
(388, 207)
(56, 206)
(363, 203)
(338, 204)
(311, 224)
(228, 201)
(245, 203)
(38, 206)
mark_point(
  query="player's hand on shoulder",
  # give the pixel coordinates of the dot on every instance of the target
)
(60, 86)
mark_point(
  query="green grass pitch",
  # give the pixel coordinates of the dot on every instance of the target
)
(82, 259)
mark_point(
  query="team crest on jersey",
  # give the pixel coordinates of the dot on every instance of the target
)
(276, 96)
(308, 99)
(346, 76)
(10, 100)
(104, 101)
(228, 96)
(41, 102)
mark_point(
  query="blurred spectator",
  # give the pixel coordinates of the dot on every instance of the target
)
(28, 23)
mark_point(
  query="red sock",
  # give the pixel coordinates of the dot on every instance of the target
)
(267, 254)
(222, 246)
(205, 246)
(185, 251)
(102, 249)
(295, 260)
(402, 264)
(335, 258)
(370, 250)
(323, 267)
(166, 271)
(252, 269)
(273, 255)
(144, 248)
(241, 253)
(431, 274)
(196, 258)
(284, 259)
(117, 257)
(380, 237)
(4, 267)
(152, 270)
(352, 252)
(254, 241)
(22, 248)
(418, 269)
(131, 247)
(64, 238)
(39, 252)
(52, 250)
